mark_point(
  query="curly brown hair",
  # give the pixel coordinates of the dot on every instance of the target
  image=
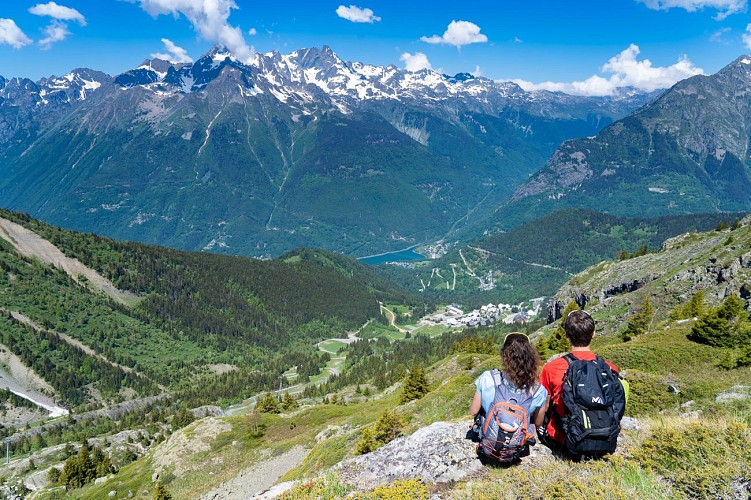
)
(521, 362)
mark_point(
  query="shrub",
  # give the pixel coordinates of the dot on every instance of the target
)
(388, 427)
(400, 489)
(322, 488)
(53, 475)
(367, 442)
(267, 404)
(161, 492)
(699, 459)
(647, 394)
(694, 308)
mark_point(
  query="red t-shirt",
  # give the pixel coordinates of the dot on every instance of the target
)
(551, 379)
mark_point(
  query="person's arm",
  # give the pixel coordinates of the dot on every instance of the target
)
(476, 404)
(538, 417)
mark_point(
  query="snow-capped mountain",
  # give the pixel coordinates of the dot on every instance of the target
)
(304, 76)
(70, 88)
(302, 149)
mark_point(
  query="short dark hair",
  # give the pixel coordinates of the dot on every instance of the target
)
(580, 328)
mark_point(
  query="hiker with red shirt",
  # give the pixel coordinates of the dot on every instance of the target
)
(580, 330)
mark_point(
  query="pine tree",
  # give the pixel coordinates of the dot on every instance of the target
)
(724, 326)
(388, 427)
(267, 404)
(161, 493)
(694, 308)
(289, 402)
(415, 385)
(639, 322)
(367, 443)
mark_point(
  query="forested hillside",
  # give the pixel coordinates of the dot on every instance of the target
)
(195, 311)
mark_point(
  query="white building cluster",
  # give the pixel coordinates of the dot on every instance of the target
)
(453, 316)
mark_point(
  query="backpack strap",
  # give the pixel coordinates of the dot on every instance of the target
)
(570, 358)
(497, 376)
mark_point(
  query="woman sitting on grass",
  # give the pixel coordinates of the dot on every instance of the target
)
(509, 404)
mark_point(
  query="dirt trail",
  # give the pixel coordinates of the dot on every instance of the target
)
(30, 244)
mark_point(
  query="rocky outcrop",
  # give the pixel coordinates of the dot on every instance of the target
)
(557, 306)
(438, 453)
(625, 287)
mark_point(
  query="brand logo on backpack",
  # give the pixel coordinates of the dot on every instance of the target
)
(506, 433)
(594, 404)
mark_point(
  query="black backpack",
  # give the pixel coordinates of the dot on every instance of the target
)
(595, 401)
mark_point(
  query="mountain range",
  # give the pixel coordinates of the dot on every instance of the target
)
(302, 149)
(685, 152)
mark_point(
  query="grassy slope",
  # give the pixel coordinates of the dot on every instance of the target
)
(629, 475)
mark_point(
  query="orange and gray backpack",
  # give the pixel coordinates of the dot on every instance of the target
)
(507, 430)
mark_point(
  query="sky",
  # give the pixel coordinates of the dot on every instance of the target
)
(577, 46)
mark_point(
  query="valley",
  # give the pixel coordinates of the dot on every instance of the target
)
(283, 273)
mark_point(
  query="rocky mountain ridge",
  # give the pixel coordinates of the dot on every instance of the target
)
(302, 149)
(686, 151)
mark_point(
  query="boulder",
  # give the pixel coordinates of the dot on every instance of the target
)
(438, 453)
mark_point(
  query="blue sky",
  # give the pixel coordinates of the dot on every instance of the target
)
(586, 47)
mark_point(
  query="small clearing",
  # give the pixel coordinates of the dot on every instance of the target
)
(30, 244)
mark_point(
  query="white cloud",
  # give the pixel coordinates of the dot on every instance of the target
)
(55, 32)
(717, 36)
(252, 32)
(175, 54)
(59, 12)
(356, 14)
(746, 37)
(517, 40)
(11, 34)
(725, 7)
(210, 18)
(477, 71)
(624, 70)
(415, 62)
(457, 34)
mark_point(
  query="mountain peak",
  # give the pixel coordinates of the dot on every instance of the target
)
(740, 67)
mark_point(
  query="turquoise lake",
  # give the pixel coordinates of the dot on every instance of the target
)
(400, 256)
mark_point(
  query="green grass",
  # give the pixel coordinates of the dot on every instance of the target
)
(376, 330)
(332, 346)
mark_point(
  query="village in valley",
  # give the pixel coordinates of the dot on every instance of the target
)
(454, 316)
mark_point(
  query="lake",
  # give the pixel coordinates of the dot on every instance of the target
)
(400, 256)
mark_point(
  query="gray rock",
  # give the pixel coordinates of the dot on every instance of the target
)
(741, 488)
(630, 424)
(112, 494)
(445, 455)
(735, 393)
(207, 411)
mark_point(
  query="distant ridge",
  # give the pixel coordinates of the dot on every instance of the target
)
(292, 150)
